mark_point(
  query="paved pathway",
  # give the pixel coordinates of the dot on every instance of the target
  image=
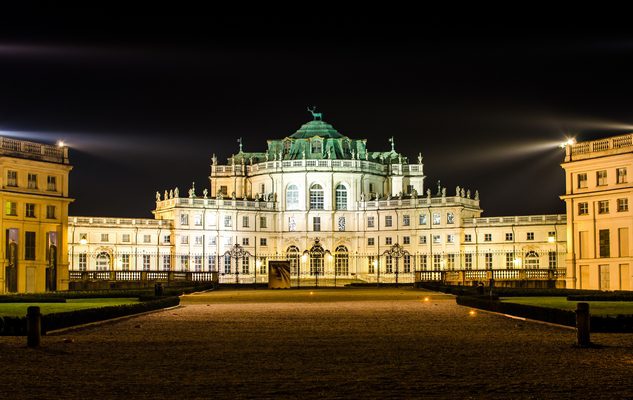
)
(355, 343)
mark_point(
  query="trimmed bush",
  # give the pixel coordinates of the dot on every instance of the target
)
(31, 298)
(603, 296)
(79, 317)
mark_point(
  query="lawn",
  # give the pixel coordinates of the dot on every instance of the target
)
(595, 307)
(19, 309)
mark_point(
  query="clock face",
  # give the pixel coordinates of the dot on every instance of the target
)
(341, 223)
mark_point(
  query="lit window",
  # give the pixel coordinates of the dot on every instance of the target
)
(603, 207)
(341, 197)
(146, 262)
(510, 260)
(292, 224)
(83, 261)
(436, 218)
(450, 218)
(468, 261)
(228, 222)
(167, 262)
(583, 208)
(125, 262)
(488, 258)
(184, 219)
(406, 220)
(184, 239)
(198, 240)
(436, 239)
(422, 219)
(197, 219)
(315, 146)
(292, 197)
(316, 197)
(341, 224)
(623, 205)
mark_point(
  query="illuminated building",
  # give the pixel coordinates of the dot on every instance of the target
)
(335, 209)
(597, 194)
(34, 217)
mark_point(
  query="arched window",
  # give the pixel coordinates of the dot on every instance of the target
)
(316, 197)
(292, 255)
(103, 261)
(292, 197)
(531, 260)
(316, 260)
(341, 261)
(341, 197)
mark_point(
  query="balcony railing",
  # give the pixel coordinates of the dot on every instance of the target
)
(33, 151)
(586, 149)
(496, 274)
(336, 165)
(518, 220)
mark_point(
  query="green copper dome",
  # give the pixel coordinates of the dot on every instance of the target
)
(316, 128)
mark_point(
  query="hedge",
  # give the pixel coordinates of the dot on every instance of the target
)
(66, 319)
(460, 290)
(621, 323)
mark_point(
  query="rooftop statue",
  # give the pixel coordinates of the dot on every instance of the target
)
(317, 116)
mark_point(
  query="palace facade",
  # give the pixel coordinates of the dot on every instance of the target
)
(336, 210)
(34, 195)
(599, 222)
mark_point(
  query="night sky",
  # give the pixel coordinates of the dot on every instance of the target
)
(143, 101)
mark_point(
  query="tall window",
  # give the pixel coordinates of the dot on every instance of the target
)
(146, 262)
(406, 220)
(488, 259)
(552, 260)
(12, 178)
(29, 245)
(341, 261)
(292, 255)
(601, 178)
(228, 221)
(341, 197)
(621, 174)
(450, 218)
(468, 261)
(184, 263)
(423, 262)
(450, 261)
(389, 264)
(212, 261)
(125, 262)
(437, 262)
(30, 210)
(316, 261)
(227, 263)
(51, 183)
(582, 181)
(436, 218)
(406, 263)
(422, 219)
(605, 243)
(245, 265)
(316, 224)
(50, 212)
(263, 222)
(371, 268)
(167, 262)
(292, 197)
(388, 221)
(32, 181)
(509, 260)
(83, 261)
(316, 197)
(197, 263)
(370, 222)
(245, 221)
(184, 219)
(531, 260)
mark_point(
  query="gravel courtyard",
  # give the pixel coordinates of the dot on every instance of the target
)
(345, 343)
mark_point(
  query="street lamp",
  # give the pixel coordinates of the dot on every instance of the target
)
(396, 251)
(237, 252)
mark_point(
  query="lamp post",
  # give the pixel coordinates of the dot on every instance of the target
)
(396, 251)
(237, 252)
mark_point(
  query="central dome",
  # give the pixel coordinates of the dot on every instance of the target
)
(316, 128)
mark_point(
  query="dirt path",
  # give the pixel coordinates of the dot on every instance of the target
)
(366, 343)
